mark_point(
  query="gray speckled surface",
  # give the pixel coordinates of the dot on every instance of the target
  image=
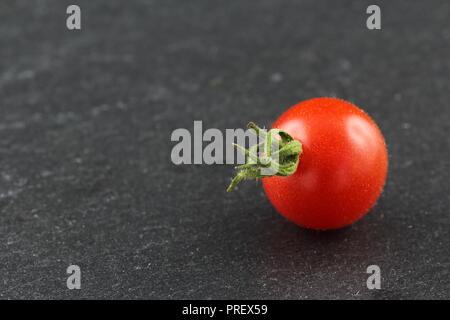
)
(85, 171)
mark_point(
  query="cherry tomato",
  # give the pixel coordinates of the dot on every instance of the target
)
(342, 169)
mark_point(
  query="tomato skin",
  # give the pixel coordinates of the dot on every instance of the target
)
(342, 169)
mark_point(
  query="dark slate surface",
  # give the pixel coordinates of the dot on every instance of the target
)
(86, 176)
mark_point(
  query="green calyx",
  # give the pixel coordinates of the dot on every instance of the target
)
(275, 154)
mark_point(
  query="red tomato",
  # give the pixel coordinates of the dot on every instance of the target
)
(342, 169)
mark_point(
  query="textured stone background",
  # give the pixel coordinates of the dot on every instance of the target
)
(85, 170)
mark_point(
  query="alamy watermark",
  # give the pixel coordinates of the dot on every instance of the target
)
(73, 21)
(374, 280)
(262, 153)
(74, 279)
(374, 20)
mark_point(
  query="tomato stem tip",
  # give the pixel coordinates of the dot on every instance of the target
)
(276, 153)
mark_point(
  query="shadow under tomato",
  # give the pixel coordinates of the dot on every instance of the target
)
(319, 264)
